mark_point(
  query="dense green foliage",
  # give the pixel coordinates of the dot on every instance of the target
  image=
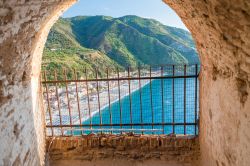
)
(101, 41)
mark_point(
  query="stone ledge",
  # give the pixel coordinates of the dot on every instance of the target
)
(180, 149)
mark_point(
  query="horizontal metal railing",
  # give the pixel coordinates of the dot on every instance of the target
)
(148, 100)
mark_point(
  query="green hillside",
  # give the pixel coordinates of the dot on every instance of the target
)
(62, 51)
(101, 41)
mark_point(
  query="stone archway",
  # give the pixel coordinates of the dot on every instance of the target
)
(221, 30)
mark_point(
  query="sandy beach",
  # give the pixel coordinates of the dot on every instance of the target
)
(85, 111)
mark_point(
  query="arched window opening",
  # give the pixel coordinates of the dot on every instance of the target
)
(126, 74)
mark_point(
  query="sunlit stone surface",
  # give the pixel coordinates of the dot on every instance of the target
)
(221, 29)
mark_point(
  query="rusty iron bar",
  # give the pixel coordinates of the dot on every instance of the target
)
(113, 129)
(119, 91)
(67, 96)
(171, 64)
(173, 104)
(125, 124)
(162, 99)
(195, 109)
(98, 97)
(140, 92)
(110, 112)
(87, 91)
(58, 101)
(49, 108)
(121, 79)
(185, 73)
(77, 98)
(151, 97)
(130, 99)
(139, 77)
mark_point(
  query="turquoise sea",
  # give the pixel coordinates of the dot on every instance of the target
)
(159, 109)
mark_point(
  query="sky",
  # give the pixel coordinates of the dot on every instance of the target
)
(155, 9)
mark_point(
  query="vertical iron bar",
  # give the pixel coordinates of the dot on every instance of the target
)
(130, 99)
(98, 97)
(162, 99)
(119, 91)
(173, 96)
(151, 98)
(110, 113)
(185, 68)
(139, 76)
(87, 91)
(67, 95)
(78, 102)
(195, 109)
(58, 102)
(49, 108)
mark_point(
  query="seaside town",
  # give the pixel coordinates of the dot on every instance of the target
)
(63, 102)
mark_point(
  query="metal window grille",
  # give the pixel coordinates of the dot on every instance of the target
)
(147, 100)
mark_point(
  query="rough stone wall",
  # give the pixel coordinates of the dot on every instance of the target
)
(123, 150)
(221, 29)
(23, 30)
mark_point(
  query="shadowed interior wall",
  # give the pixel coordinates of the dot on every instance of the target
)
(24, 28)
(221, 29)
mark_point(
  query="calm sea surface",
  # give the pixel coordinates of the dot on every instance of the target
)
(147, 113)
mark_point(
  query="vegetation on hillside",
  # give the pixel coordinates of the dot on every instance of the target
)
(100, 41)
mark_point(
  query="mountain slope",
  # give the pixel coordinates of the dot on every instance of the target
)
(176, 38)
(62, 51)
(116, 42)
(143, 38)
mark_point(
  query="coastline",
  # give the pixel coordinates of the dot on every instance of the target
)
(93, 113)
(104, 103)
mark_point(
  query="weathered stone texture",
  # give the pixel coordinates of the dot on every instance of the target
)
(221, 29)
(23, 30)
(136, 150)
